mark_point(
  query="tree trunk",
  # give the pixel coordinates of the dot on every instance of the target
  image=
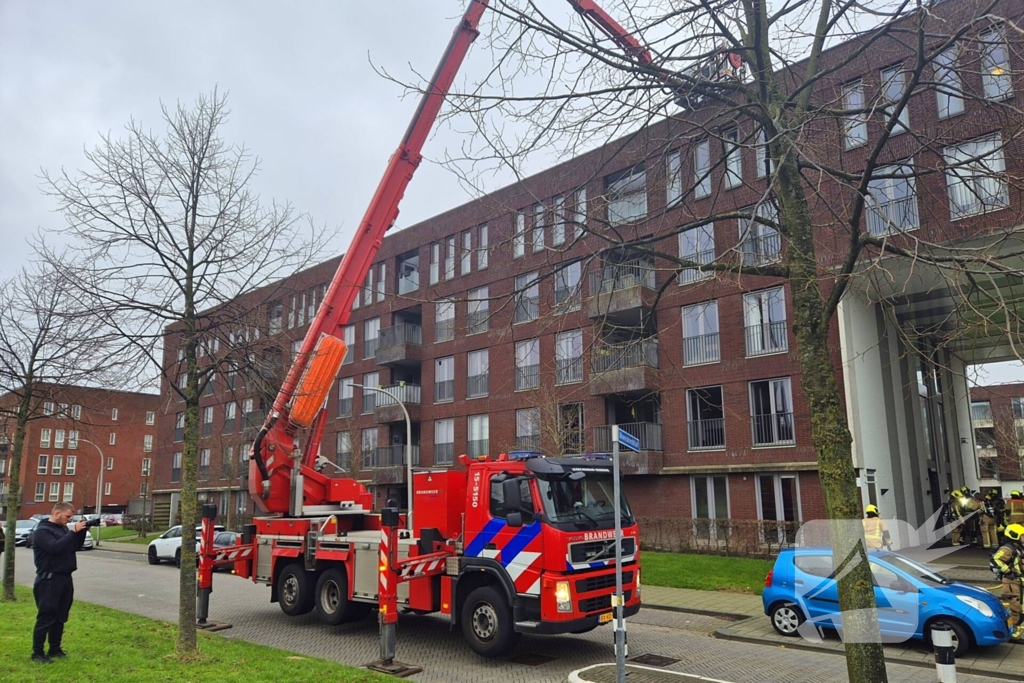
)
(189, 516)
(14, 491)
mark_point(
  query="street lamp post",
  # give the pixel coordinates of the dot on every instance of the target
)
(408, 446)
(99, 487)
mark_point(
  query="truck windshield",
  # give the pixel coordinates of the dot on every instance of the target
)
(587, 502)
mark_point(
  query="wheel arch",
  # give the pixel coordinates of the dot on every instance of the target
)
(477, 574)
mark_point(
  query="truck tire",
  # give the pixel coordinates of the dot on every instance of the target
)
(487, 622)
(294, 590)
(332, 604)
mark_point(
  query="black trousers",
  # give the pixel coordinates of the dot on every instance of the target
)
(54, 596)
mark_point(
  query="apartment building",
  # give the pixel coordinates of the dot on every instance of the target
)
(997, 417)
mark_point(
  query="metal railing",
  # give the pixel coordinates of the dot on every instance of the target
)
(706, 434)
(403, 333)
(444, 330)
(527, 377)
(528, 442)
(444, 390)
(527, 308)
(444, 453)
(775, 429)
(615, 276)
(568, 370)
(345, 407)
(409, 394)
(767, 338)
(703, 348)
(895, 215)
(389, 456)
(649, 434)
(370, 347)
(344, 460)
(477, 447)
(476, 385)
(476, 322)
(688, 275)
(633, 354)
(761, 249)
(570, 295)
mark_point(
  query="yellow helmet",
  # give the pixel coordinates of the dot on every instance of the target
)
(1014, 531)
(1014, 494)
(871, 510)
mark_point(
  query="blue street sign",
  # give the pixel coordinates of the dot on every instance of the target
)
(629, 441)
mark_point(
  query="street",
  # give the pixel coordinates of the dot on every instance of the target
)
(127, 583)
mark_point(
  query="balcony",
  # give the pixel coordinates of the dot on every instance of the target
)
(690, 275)
(400, 345)
(893, 216)
(767, 338)
(625, 368)
(707, 434)
(476, 385)
(759, 250)
(701, 349)
(387, 463)
(622, 292)
(527, 309)
(568, 370)
(528, 442)
(477, 322)
(476, 447)
(527, 377)
(775, 429)
(387, 409)
(650, 458)
(444, 391)
(444, 454)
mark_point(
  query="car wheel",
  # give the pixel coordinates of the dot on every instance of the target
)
(487, 622)
(177, 557)
(961, 636)
(151, 555)
(786, 618)
(294, 592)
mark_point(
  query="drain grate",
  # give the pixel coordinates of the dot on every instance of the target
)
(531, 659)
(654, 660)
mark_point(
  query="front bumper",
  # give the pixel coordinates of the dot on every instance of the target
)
(586, 623)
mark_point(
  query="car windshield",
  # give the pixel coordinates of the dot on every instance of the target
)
(25, 524)
(587, 502)
(915, 569)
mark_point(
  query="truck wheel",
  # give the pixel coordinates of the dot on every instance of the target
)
(295, 595)
(332, 604)
(487, 622)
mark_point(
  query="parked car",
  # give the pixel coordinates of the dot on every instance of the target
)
(22, 530)
(89, 543)
(168, 545)
(911, 599)
(111, 518)
(39, 518)
(225, 539)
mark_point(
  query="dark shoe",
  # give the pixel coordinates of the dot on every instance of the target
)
(41, 659)
(56, 654)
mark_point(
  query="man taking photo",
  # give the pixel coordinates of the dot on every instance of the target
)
(54, 546)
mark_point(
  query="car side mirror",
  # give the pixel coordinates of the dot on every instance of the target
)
(511, 494)
(514, 519)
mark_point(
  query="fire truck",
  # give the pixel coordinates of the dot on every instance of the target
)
(499, 547)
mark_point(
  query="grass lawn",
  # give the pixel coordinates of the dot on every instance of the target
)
(107, 646)
(705, 572)
(110, 533)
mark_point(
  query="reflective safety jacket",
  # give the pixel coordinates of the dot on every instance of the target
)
(876, 534)
(1009, 560)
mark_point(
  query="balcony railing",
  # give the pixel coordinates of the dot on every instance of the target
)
(706, 434)
(614, 277)
(345, 407)
(444, 330)
(527, 377)
(569, 296)
(649, 434)
(701, 349)
(527, 308)
(897, 215)
(344, 460)
(476, 385)
(568, 370)
(633, 354)
(528, 442)
(688, 275)
(775, 429)
(444, 453)
(477, 447)
(403, 333)
(767, 338)
(389, 456)
(444, 390)
(761, 249)
(370, 347)
(406, 393)
(476, 322)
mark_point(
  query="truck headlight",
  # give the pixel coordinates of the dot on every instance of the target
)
(975, 604)
(638, 582)
(563, 597)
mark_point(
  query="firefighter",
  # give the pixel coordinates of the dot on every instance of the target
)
(876, 534)
(990, 516)
(1008, 562)
(1015, 509)
(961, 505)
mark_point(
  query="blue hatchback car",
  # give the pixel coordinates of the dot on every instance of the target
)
(911, 600)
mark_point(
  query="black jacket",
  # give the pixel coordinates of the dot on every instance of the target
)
(54, 548)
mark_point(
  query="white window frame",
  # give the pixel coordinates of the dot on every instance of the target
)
(481, 247)
(879, 218)
(762, 159)
(949, 91)
(70, 465)
(779, 512)
(702, 168)
(112, 439)
(348, 333)
(69, 491)
(106, 488)
(45, 435)
(985, 167)
(627, 195)
(58, 438)
(894, 85)
(855, 126)
(733, 152)
(147, 465)
(996, 77)
(43, 464)
(537, 233)
(466, 262)
(579, 212)
(673, 179)
(435, 262)
(568, 350)
(76, 411)
(444, 434)
(444, 311)
(479, 426)
(54, 491)
(698, 314)
(40, 491)
(760, 302)
(150, 417)
(700, 236)
(478, 360)
(709, 488)
(449, 257)
(776, 441)
(519, 235)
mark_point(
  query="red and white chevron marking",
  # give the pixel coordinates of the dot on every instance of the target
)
(383, 561)
(424, 567)
(231, 555)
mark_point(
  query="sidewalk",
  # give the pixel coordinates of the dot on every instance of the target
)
(114, 546)
(708, 603)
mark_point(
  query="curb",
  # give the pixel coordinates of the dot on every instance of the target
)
(112, 546)
(577, 676)
(734, 616)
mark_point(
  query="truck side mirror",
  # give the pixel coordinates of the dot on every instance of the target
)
(514, 519)
(511, 494)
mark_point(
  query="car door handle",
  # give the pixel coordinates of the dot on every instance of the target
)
(799, 582)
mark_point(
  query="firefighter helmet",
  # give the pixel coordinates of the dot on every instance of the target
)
(1014, 494)
(1014, 532)
(871, 510)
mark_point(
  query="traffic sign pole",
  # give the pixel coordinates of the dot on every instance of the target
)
(620, 623)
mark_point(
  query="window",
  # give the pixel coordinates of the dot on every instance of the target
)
(894, 83)
(44, 464)
(567, 286)
(980, 410)
(570, 429)
(528, 429)
(73, 439)
(371, 337)
(702, 169)
(345, 397)
(481, 248)
(466, 260)
(176, 467)
(444, 442)
(1018, 407)
(382, 278)
(444, 320)
(204, 464)
(759, 243)
(227, 462)
(147, 464)
(627, 195)
(444, 379)
(44, 438)
(183, 381)
(771, 410)
(527, 364)
(62, 409)
(112, 440)
(527, 298)
(764, 317)
(76, 412)
(778, 498)
(995, 65)
(673, 179)
(569, 357)
(179, 426)
(230, 414)
(711, 503)
(537, 234)
(435, 262)
(369, 447)
(477, 371)
(733, 158)
(948, 94)
(343, 450)
(40, 491)
(54, 491)
(58, 438)
(855, 126)
(558, 225)
(696, 245)
(207, 421)
(479, 435)
(69, 491)
(275, 318)
(705, 419)
(348, 333)
(57, 465)
(892, 200)
(368, 286)
(70, 465)
(497, 507)
(700, 334)
(763, 159)
(477, 310)
(106, 488)
(48, 408)
(150, 417)
(449, 258)
(976, 177)
(580, 212)
(408, 272)
(370, 379)
(519, 237)
(110, 463)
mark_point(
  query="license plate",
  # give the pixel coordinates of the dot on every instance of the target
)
(605, 618)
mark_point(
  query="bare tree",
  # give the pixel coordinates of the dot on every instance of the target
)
(171, 233)
(46, 341)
